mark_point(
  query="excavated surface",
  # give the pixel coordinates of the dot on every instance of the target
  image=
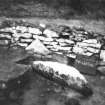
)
(8, 66)
(42, 91)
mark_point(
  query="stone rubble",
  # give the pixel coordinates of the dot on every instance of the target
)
(50, 34)
(102, 55)
(35, 31)
(69, 41)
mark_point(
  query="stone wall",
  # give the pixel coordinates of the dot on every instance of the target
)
(66, 41)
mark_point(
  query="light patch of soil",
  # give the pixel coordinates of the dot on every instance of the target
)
(97, 26)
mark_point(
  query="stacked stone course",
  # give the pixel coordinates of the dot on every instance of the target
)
(69, 41)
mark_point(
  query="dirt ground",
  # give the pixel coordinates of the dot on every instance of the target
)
(43, 92)
(97, 26)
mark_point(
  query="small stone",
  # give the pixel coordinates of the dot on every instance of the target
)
(48, 39)
(77, 50)
(7, 29)
(69, 41)
(65, 48)
(47, 43)
(93, 50)
(79, 28)
(23, 44)
(101, 69)
(61, 40)
(102, 63)
(62, 44)
(4, 42)
(3, 86)
(72, 56)
(37, 37)
(59, 53)
(26, 40)
(88, 44)
(4, 36)
(102, 55)
(88, 53)
(41, 38)
(35, 31)
(24, 35)
(42, 25)
(22, 29)
(14, 28)
(64, 35)
(54, 49)
(54, 43)
(90, 41)
(102, 77)
(50, 33)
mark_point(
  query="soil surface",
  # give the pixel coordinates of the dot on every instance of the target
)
(41, 91)
(44, 92)
(97, 26)
(8, 66)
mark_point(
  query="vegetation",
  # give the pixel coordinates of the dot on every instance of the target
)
(63, 8)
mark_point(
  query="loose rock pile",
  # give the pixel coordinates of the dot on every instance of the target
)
(69, 41)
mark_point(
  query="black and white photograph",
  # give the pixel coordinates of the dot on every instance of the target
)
(52, 52)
